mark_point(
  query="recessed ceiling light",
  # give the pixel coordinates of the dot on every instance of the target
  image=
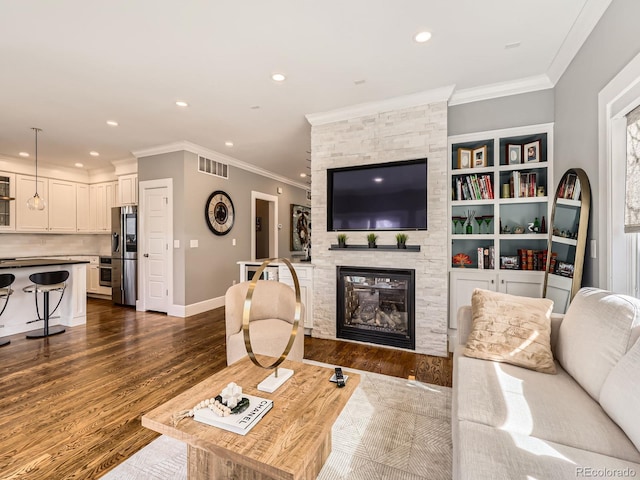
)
(359, 82)
(79, 165)
(377, 179)
(23, 154)
(180, 103)
(229, 144)
(254, 107)
(112, 123)
(303, 175)
(512, 45)
(422, 37)
(93, 153)
(278, 77)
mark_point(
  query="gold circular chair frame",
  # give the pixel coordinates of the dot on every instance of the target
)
(246, 313)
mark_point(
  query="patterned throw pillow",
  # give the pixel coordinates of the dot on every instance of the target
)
(511, 329)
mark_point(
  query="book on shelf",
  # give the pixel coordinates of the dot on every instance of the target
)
(535, 260)
(570, 189)
(486, 257)
(240, 423)
(523, 184)
(473, 187)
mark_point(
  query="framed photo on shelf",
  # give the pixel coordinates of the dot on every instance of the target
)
(532, 152)
(510, 262)
(514, 154)
(464, 158)
(480, 157)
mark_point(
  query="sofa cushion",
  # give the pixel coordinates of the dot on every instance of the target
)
(551, 407)
(484, 452)
(620, 395)
(512, 329)
(597, 330)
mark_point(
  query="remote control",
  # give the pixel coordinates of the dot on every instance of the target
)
(339, 378)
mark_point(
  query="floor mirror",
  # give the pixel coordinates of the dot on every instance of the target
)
(567, 239)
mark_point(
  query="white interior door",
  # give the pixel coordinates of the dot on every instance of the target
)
(156, 246)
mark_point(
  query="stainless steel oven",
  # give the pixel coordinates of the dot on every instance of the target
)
(105, 271)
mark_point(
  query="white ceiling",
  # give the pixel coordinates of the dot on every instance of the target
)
(68, 66)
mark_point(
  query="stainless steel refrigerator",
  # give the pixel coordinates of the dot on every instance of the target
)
(124, 255)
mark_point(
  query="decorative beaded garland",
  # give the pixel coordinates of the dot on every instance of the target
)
(222, 405)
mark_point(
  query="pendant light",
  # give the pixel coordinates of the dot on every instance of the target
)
(35, 202)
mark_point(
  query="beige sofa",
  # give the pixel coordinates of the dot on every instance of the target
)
(583, 422)
(270, 324)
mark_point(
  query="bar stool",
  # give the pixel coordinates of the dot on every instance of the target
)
(46, 283)
(6, 279)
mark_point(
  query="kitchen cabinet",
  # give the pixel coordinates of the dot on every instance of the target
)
(463, 281)
(83, 217)
(7, 201)
(102, 197)
(62, 206)
(128, 189)
(31, 220)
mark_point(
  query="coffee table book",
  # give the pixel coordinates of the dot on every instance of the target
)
(240, 423)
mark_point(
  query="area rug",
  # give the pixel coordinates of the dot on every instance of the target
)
(390, 429)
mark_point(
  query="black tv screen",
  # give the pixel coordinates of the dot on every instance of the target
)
(388, 196)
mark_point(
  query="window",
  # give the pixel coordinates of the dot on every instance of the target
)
(632, 198)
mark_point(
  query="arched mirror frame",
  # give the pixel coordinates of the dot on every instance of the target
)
(560, 288)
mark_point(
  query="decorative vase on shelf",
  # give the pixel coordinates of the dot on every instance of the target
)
(371, 240)
(342, 241)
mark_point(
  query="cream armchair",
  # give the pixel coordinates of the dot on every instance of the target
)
(270, 324)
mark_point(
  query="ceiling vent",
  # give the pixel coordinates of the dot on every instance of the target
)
(211, 167)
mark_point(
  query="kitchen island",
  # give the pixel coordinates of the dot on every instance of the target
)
(22, 306)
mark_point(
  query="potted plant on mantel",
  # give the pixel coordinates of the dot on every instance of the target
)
(401, 240)
(342, 240)
(371, 239)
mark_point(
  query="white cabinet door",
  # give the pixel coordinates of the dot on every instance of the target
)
(93, 279)
(31, 220)
(524, 284)
(110, 191)
(462, 284)
(7, 207)
(559, 290)
(62, 206)
(82, 208)
(128, 189)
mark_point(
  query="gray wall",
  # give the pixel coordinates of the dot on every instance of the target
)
(505, 112)
(611, 45)
(207, 271)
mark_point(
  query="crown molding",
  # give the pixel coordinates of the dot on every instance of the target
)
(502, 89)
(125, 166)
(217, 156)
(371, 108)
(586, 21)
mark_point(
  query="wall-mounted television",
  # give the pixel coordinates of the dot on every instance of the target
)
(387, 196)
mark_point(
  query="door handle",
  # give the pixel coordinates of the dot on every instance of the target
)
(146, 255)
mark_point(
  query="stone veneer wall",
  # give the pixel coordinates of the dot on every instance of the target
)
(403, 134)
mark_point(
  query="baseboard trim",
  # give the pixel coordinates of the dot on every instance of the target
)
(195, 308)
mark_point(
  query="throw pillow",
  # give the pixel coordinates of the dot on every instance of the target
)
(511, 329)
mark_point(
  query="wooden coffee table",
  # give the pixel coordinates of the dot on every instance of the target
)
(292, 441)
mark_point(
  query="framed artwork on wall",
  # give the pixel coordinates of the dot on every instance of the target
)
(300, 227)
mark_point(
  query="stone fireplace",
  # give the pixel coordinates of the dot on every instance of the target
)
(376, 305)
(364, 137)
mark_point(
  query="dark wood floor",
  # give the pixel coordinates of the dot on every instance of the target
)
(71, 404)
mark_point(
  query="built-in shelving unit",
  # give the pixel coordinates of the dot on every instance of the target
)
(502, 177)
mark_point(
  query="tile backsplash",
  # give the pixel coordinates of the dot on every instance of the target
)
(14, 245)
